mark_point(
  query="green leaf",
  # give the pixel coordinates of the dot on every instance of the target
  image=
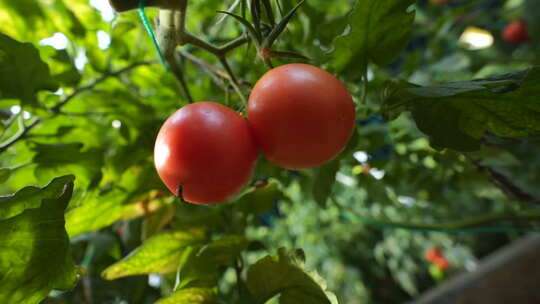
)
(102, 207)
(97, 211)
(379, 30)
(31, 197)
(156, 221)
(280, 27)
(191, 296)
(75, 25)
(4, 176)
(457, 115)
(22, 72)
(199, 265)
(284, 274)
(269, 12)
(30, 9)
(68, 158)
(70, 77)
(325, 177)
(251, 30)
(256, 15)
(159, 254)
(259, 200)
(35, 256)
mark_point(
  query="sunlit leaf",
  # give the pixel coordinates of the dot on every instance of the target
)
(199, 265)
(31, 197)
(30, 9)
(284, 274)
(98, 211)
(4, 175)
(156, 221)
(259, 200)
(68, 158)
(191, 296)
(159, 254)
(35, 256)
(22, 72)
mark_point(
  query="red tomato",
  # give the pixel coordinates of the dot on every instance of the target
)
(516, 32)
(442, 263)
(301, 116)
(207, 149)
(433, 254)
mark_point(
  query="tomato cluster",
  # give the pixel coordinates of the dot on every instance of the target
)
(298, 116)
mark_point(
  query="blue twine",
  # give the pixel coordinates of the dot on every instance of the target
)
(146, 23)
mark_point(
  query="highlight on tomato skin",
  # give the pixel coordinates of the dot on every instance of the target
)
(301, 116)
(206, 150)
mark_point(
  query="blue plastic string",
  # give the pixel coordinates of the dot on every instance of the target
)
(146, 23)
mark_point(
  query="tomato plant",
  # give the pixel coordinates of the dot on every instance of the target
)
(205, 153)
(446, 148)
(301, 116)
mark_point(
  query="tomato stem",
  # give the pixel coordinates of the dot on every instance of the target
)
(181, 37)
(268, 63)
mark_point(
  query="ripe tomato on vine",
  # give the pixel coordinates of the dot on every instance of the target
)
(207, 150)
(301, 116)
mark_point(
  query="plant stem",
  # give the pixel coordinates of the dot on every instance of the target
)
(178, 73)
(233, 44)
(234, 81)
(182, 37)
(268, 63)
(502, 182)
(215, 73)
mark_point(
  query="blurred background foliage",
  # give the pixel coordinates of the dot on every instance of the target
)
(97, 113)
